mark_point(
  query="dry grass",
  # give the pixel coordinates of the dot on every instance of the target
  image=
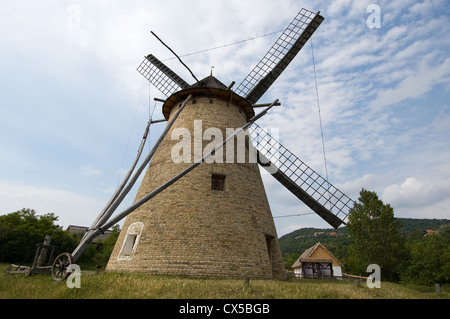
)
(142, 286)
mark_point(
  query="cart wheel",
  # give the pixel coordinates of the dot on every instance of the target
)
(60, 265)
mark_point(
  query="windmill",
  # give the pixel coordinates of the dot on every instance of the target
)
(211, 216)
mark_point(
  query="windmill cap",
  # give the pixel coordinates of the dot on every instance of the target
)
(208, 87)
(209, 82)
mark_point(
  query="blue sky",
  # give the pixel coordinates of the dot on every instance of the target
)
(73, 107)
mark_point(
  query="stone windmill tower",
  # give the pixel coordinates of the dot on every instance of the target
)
(216, 220)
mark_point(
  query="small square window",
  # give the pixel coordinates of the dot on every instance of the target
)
(129, 244)
(218, 182)
(130, 241)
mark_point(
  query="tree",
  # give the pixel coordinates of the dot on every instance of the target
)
(375, 237)
(430, 259)
(20, 231)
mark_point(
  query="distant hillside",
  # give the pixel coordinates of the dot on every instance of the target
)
(412, 227)
(337, 240)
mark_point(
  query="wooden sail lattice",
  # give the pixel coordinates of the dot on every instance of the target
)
(300, 179)
(282, 52)
(161, 76)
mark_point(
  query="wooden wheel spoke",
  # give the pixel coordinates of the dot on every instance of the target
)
(60, 265)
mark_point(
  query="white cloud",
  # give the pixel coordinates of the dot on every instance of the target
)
(71, 208)
(415, 85)
(348, 7)
(370, 181)
(426, 7)
(442, 123)
(417, 193)
(419, 198)
(90, 170)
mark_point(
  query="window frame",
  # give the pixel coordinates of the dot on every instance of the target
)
(218, 181)
(130, 241)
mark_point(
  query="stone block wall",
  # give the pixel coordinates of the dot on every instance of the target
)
(191, 229)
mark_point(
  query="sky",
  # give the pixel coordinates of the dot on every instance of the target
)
(73, 108)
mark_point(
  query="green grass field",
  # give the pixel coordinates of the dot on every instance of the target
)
(142, 286)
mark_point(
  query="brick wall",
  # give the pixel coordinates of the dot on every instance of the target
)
(190, 229)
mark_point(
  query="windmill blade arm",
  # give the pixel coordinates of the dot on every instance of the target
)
(161, 76)
(280, 55)
(300, 193)
(316, 192)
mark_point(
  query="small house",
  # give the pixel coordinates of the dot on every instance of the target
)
(317, 262)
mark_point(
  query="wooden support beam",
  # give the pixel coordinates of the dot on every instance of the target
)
(158, 121)
(265, 104)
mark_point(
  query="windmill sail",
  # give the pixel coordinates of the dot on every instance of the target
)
(315, 191)
(279, 56)
(161, 76)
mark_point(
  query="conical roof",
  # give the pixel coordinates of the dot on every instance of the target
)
(209, 82)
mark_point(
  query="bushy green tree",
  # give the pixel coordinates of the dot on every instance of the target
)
(375, 238)
(430, 259)
(22, 230)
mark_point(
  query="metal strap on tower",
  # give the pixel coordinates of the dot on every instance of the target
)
(301, 180)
